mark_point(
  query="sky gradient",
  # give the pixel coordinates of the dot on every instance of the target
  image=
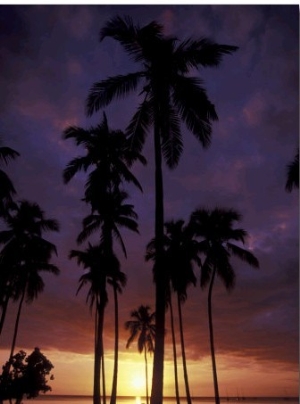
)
(50, 57)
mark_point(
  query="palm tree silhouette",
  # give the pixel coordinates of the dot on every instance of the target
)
(111, 215)
(27, 253)
(7, 190)
(109, 157)
(180, 254)
(216, 232)
(182, 251)
(98, 268)
(293, 174)
(142, 328)
(118, 282)
(107, 153)
(169, 95)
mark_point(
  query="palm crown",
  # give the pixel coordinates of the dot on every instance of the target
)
(215, 229)
(169, 94)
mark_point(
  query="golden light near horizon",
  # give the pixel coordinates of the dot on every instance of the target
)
(138, 382)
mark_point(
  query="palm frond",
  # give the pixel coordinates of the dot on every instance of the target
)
(102, 93)
(202, 52)
(172, 144)
(7, 154)
(293, 174)
(139, 125)
(74, 166)
(194, 107)
(243, 254)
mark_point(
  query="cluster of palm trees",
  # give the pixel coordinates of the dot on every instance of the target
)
(169, 95)
(25, 254)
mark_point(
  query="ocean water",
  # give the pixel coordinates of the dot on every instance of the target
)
(47, 398)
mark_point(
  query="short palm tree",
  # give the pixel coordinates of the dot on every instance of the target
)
(181, 252)
(169, 95)
(98, 268)
(142, 328)
(217, 236)
(293, 174)
(27, 253)
(112, 214)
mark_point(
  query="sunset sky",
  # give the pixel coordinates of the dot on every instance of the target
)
(50, 56)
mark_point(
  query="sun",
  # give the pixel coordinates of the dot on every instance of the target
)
(138, 381)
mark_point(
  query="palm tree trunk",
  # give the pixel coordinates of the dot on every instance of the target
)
(146, 375)
(103, 374)
(13, 345)
(115, 373)
(3, 314)
(185, 374)
(174, 351)
(160, 281)
(211, 336)
(97, 358)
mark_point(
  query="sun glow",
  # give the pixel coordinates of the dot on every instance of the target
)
(138, 382)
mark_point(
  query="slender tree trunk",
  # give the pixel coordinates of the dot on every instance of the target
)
(160, 276)
(185, 373)
(146, 375)
(3, 314)
(211, 336)
(115, 373)
(97, 359)
(103, 374)
(13, 345)
(174, 352)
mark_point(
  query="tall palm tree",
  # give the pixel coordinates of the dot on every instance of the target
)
(142, 328)
(217, 237)
(27, 253)
(293, 174)
(169, 95)
(109, 157)
(7, 190)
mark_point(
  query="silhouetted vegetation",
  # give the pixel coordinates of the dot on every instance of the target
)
(168, 95)
(217, 238)
(109, 157)
(27, 376)
(24, 256)
(293, 174)
(142, 329)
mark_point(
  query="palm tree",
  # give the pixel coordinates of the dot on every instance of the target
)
(142, 328)
(98, 268)
(7, 189)
(180, 253)
(216, 232)
(169, 95)
(108, 153)
(109, 156)
(112, 213)
(293, 174)
(27, 253)
(118, 281)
